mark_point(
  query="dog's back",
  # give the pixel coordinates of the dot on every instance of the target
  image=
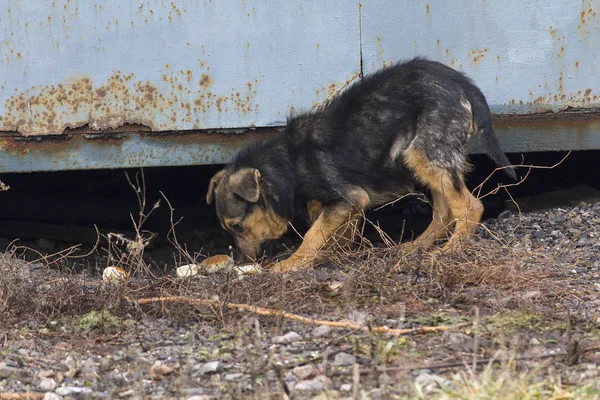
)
(360, 137)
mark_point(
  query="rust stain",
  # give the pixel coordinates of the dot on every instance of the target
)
(380, 51)
(452, 60)
(587, 18)
(478, 55)
(427, 10)
(567, 118)
(544, 103)
(58, 148)
(121, 100)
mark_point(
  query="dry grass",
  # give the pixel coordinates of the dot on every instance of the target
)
(367, 278)
(508, 382)
(364, 277)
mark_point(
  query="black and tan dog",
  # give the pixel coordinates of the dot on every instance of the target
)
(409, 123)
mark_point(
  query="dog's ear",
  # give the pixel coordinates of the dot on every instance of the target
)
(210, 195)
(246, 184)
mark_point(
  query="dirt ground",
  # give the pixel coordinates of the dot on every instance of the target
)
(513, 316)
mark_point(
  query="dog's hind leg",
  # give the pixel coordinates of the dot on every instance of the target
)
(464, 209)
(438, 228)
(334, 222)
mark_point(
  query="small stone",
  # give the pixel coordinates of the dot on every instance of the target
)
(504, 214)
(23, 352)
(47, 385)
(344, 359)
(52, 396)
(360, 317)
(458, 341)
(312, 386)
(430, 382)
(346, 387)
(324, 380)
(73, 391)
(534, 342)
(19, 374)
(290, 377)
(187, 271)
(385, 379)
(200, 397)
(288, 338)
(328, 395)
(218, 263)
(303, 372)
(160, 369)
(207, 368)
(236, 376)
(321, 331)
(192, 391)
(114, 275)
(376, 394)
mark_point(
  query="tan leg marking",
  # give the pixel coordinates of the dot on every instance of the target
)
(315, 208)
(336, 222)
(460, 205)
(439, 227)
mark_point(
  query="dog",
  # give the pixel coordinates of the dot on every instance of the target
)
(405, 125)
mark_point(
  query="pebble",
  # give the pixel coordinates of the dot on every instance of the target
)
(344, 359)
(458, 341)
(52, 396)
(321, 331)
(288, 338)
(47, 385)
(236, 376)
(207, 368)
(291, 378)
(376, 394)
(304, 371)
(430, 382)
(346, 387)
(312, 385)
(20, 374)
(73, 391)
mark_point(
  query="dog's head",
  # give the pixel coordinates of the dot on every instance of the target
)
(244, 209)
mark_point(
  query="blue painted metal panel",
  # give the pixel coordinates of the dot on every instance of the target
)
(527, 56)
(170, 65)
(123, 150)
(188, 65)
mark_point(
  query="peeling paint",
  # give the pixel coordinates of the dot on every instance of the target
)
(120, 100)
(163, 64)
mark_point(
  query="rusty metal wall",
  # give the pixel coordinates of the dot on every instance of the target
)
(107, 84)
(170, 65)
(528, 56)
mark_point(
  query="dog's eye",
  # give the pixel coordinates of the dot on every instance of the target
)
(237, 227)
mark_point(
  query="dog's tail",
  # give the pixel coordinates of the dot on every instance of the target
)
(483, 119)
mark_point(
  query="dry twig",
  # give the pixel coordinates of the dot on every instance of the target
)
(269, 312)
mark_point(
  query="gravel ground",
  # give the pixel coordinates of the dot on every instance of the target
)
(150, 356)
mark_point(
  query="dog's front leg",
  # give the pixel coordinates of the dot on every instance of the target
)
(330, 221)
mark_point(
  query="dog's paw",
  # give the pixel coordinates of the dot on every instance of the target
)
(288, 265)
